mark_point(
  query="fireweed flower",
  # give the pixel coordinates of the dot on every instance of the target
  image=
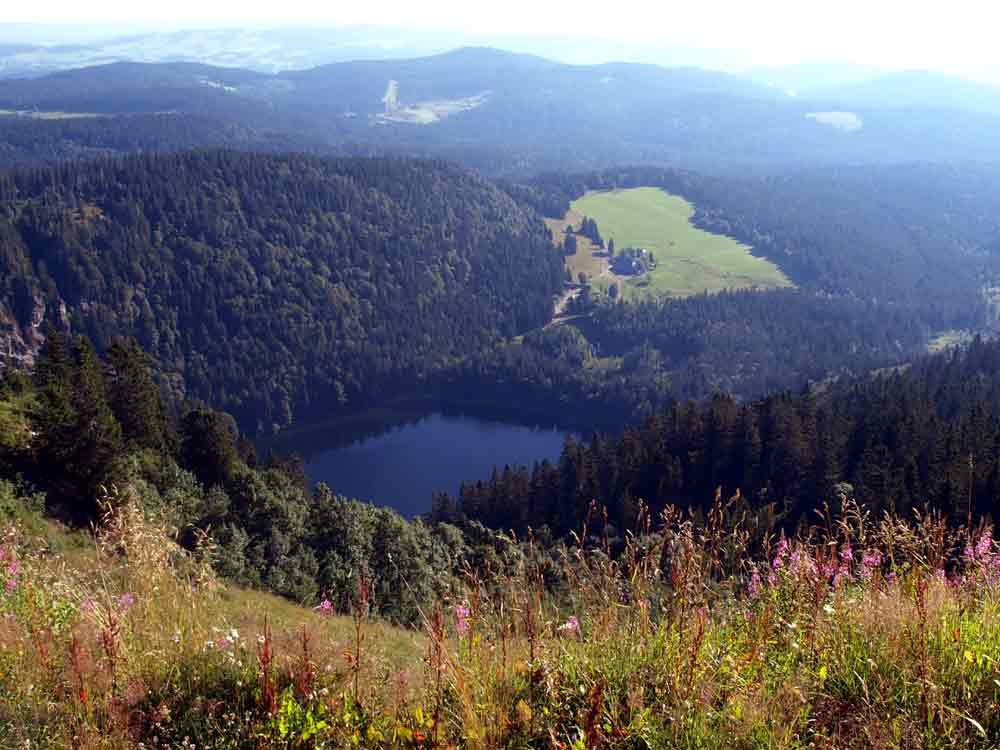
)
(462, 613)
(984, 547)
(325, 607)
(13, 569)
(801, 563)
(754, 587)
(871, 560)
(571, 626)
(843, 574)
(780, 555)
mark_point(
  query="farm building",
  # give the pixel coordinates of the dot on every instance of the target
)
(633, 261)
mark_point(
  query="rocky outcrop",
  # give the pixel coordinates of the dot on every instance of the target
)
(20, 340)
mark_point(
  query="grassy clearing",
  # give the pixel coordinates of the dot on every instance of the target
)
(54, 115)
(949, 340)
(589, 259)
(689, 259)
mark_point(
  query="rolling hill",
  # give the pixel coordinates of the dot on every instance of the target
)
(915, 90)
(507, 113)
(263, 284)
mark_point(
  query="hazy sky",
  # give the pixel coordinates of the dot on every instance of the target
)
(958, 35)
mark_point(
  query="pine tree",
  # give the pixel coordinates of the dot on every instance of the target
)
(56, 418)
(136, 399)
(98, 437)
(208, 446)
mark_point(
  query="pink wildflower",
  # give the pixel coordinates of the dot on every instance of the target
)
(780, 555)
(843, 574)
(87, 605)
(13, 570)
(571, 626)
(462, 613)
(984, 546)
(847, 554)
(754, 587)
(126, 600)
(223, 643)
(324, 607)
(871, 560)
(801, 563)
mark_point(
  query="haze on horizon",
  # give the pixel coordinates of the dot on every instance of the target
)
(956, 38)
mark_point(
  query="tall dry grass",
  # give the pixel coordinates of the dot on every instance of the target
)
(856, 633)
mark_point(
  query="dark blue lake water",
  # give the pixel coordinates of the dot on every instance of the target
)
(404, 465)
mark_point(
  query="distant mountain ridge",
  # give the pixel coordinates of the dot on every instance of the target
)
(504, 112)
(809, 77)
(917, 89)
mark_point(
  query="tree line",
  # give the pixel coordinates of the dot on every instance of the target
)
(910, 439)
(89, 431)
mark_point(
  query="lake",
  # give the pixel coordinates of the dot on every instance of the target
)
(403, 464)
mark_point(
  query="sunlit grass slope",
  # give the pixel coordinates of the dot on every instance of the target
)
(690, 260)
(858, 634)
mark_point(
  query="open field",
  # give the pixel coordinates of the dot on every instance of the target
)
(589, 259)
(690, 260)
(47, 115)
(948, 340)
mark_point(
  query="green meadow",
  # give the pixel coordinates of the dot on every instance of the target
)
(689, 260)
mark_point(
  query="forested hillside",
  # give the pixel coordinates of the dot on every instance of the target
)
(267, 284)
(31, 141)
(912, 233)
(883, 260)
(907, 440)
(84, 436)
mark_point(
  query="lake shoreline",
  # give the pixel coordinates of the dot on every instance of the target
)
(402, 459)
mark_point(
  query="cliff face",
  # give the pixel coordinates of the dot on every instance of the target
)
(20, 340)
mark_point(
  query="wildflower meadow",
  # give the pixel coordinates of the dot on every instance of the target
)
(855, 633)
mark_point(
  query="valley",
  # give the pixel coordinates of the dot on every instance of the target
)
(483, 401)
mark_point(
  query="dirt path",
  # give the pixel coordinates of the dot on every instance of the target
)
(559, 310)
